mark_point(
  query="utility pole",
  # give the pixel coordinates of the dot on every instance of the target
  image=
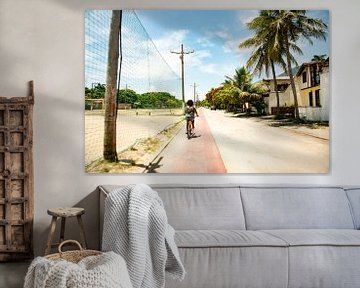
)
(194, 91)
(109, 150)
(182, 54)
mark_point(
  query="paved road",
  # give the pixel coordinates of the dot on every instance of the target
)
(199, 154)
(250, 146)
(242, 145)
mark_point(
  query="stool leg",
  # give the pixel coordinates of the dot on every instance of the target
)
(51, 235)
(82, 232)
(62, 231)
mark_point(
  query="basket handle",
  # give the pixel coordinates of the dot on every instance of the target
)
(69, 241)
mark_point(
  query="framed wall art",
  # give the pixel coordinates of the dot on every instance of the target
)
(207, 91)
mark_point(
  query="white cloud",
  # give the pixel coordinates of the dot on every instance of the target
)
(197, 60)
(200, 60)
(209, 68)
(197, 57)
(222, 34)
(142, 60)
(231, 46)
(205, 42)
(170, 43)
(230, 43)
(245, 16)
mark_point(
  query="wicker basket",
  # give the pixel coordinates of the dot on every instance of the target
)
(72, 256)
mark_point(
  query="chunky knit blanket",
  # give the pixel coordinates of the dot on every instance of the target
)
(107, 270)
(136, 227)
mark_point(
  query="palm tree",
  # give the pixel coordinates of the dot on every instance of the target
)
(289, 26)
(321, 57)
(266, 52)
(109, 152)
(241, 79)
(241, 87)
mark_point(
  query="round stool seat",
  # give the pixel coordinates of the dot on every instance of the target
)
(66, 211)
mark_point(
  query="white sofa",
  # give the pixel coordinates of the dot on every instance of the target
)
(256, 236)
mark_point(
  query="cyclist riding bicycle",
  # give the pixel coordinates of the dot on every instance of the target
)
(190, 112)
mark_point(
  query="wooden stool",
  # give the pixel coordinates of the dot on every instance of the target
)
(64, 213)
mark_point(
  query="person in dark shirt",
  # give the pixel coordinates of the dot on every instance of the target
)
(190, 112)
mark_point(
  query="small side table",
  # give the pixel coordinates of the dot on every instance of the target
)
(64, 213)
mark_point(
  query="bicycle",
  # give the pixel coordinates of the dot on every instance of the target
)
(189, 128)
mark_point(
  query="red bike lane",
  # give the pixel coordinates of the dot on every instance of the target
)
(199, 154)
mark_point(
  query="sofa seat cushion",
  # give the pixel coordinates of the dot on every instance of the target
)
(233, 267)
(317, 237)
(225, 238)
(322, 258)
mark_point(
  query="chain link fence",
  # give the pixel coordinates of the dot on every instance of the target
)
(149, 91)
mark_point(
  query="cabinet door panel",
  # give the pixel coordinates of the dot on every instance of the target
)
(16, 183)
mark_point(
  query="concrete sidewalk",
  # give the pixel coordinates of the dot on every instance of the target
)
(317, 131)
(322, 132)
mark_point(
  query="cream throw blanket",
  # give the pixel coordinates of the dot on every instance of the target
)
(107, 270)
(136, 227)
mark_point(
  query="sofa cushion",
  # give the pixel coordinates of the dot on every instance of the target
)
(226, 238)
(324, 266)
(327, 258)
(224, 267)
(317, 237)
(191, 207)
(204, 208)
(296, 208)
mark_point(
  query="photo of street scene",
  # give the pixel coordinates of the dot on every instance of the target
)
(207, 91)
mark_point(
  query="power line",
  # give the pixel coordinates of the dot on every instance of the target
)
(152, 42)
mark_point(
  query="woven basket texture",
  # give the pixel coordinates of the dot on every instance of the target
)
(72, 256)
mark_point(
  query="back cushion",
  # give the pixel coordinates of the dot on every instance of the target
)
(354, 198)
(296, 208)
(203, 208)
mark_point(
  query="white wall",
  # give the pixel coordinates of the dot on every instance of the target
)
(43, 40)
(325, 93)
(312, 113)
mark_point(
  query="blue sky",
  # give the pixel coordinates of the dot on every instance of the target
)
(214, 35)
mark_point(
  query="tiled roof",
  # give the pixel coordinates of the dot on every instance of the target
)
(323, 63)
(277, 78)
(294, 71)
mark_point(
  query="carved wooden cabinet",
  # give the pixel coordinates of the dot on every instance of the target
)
(16, 177)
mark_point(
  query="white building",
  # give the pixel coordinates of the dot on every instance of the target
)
(312, 86)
